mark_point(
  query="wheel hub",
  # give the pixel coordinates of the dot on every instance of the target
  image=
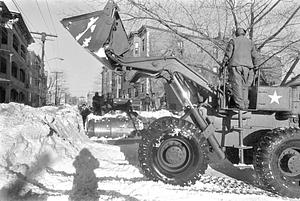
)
(289, 162)
(173, 155)
(294, 164)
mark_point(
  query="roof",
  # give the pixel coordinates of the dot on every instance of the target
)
(33, 55)
(145, 27)
(4, 10)
(6, 14)
(21, 23)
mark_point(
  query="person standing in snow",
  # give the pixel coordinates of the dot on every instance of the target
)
(84, 112)
(97, 104)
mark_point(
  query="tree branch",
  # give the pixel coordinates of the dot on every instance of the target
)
(265, 6)
(285, 47)
(231, 6)
(279, 30)
(157, 18)
(251, 31)
(268, 11)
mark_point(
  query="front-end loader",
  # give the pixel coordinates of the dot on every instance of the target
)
(175, 150)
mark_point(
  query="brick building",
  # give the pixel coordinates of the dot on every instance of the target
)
(37, 81)
(151, 41)
(18, 74)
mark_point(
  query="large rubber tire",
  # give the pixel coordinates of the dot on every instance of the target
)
(276, 161)
(172, 152)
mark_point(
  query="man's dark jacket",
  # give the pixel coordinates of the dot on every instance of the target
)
(241, 52)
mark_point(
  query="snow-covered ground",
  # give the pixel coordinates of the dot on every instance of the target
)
(45, 155)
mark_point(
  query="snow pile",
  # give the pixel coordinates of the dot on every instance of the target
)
(157, 114)
(33, 140)
(45, 156)
(27, 132)
(143, 114)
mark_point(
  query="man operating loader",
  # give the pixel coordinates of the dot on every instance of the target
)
(241, 59)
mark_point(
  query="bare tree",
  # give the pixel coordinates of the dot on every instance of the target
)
(273, 25)
(57, 87)
(97, 84)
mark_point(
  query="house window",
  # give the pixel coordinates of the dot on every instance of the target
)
(16, 43)
(129, 93)
(14, 70)
(14, 95)
(180, 44)
(119, 80)
(3, 66)
(30, 78)
(113, 82)
(36, 82)
(142, 88)
(22, 75)
(2, 95)
(4, 35)
(119, 93)
(180, 47)
(22, 97)
(136, 49)
(136, 92)
(143, 44)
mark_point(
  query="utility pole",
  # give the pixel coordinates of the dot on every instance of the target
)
(43, 39)
(56, 87)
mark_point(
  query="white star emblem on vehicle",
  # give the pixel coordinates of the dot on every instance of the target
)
(274, 98)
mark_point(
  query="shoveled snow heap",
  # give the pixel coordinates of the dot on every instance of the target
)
(45, 155)
(35, 142)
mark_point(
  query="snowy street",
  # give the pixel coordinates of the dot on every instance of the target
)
(149, 100)
(45, 155)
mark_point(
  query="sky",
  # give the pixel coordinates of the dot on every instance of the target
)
(81, 70)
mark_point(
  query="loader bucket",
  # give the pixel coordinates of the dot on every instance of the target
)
(95, 30)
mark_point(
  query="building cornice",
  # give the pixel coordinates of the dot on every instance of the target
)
(24, 29)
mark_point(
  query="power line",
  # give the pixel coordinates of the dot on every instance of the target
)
(42, 15)
(51, 18)
(52, 21)
(23, 13)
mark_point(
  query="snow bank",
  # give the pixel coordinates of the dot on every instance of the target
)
(27, 132)
(35, 139)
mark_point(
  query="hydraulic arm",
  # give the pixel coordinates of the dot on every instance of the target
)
(174, 150)
(103, 35)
